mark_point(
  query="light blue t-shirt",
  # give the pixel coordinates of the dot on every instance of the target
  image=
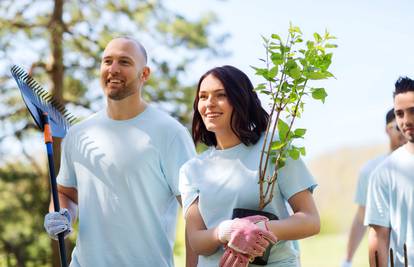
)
(390, 201)
(362, 186)
(227, 179)
(126, 175)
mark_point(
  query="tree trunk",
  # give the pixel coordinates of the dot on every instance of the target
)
(56, 29)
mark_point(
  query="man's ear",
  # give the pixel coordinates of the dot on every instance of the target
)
(145, 74)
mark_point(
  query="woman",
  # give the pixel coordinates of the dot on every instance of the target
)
(229, 119)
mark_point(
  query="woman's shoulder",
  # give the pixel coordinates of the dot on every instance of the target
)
(197, 160)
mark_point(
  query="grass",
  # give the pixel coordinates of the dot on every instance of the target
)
(329, 250)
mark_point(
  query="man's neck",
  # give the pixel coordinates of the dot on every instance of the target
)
(410, 147)
(126, 108)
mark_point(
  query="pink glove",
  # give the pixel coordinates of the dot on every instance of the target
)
(232, 258)
(244, 236)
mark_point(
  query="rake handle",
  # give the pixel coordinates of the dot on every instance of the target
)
(53, 184)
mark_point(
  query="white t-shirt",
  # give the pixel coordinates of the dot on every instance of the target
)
(126, 175)
(227, 179)
(390, 201)
(362, 186)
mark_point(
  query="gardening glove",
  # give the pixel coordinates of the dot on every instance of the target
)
(346, 263)
(58, 222)
(232, 258)
(244, 236)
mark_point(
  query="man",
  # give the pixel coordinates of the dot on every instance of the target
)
(119, 170)
(396, 139)
(390, 202)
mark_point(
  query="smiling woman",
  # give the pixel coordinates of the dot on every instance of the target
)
(215, 109)
(229, 118)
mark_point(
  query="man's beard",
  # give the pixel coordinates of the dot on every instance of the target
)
(121, 94)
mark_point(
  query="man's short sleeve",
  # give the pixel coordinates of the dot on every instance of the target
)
(377, 211)
(188, 189)
(66, 176)
(362, 188)
(179, 151)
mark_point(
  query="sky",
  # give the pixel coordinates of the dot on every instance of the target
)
(375, 47)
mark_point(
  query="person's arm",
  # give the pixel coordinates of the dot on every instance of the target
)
(68, 198)
(191, 258)
(357, 232)
(203, 241)
(303, 223)
(378, 241)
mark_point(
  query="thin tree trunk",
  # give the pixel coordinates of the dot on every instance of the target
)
(57, 74)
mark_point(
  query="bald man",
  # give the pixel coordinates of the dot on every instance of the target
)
(119, 171)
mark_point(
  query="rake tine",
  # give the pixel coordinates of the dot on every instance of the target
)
(376, 259)
(391, 257)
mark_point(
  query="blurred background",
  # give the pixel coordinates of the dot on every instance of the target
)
(60, 43)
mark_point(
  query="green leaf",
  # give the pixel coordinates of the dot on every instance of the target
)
(300, 132)
(319, 75)
(260, 86)
(283, 129)
(331, 46)
(275, 36)
(294, 153)
(295, 73)
(276, 145)
(276, 58)
(319, 94)
(272, 72)
(261, 71)
(317, 37)
(281, 163)
(302, 151)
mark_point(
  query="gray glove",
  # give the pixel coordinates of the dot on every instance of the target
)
(58, 222)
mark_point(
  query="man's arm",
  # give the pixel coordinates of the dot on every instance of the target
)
(378, 241)
(191, 259)
(68, 198)
(357, 232)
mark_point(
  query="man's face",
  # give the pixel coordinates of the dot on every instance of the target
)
(396, 137)
(404, 114)
(122, 69)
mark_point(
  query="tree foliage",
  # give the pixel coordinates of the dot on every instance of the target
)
(290, 67)
(60, 43)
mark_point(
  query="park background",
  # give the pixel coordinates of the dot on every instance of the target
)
(60, 42)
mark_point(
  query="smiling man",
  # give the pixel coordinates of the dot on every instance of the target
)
(390, 202)
(119, 171)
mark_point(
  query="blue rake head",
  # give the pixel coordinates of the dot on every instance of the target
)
(39, 101)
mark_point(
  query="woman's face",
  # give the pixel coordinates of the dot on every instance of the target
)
(214, 106)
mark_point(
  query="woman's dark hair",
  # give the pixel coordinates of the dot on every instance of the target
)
(248, 119)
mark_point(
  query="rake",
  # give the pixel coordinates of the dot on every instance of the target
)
(54, 120)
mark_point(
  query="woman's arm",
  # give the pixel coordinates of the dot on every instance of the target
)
(303, 223)
(203, 241)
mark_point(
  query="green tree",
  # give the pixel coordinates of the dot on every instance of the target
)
(60, 42)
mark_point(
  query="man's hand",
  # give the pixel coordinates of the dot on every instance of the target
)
(58, 222)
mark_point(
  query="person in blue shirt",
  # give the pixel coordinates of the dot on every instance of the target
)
(390, 201)
(358, 229)
(229, 119)
(119, 171)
